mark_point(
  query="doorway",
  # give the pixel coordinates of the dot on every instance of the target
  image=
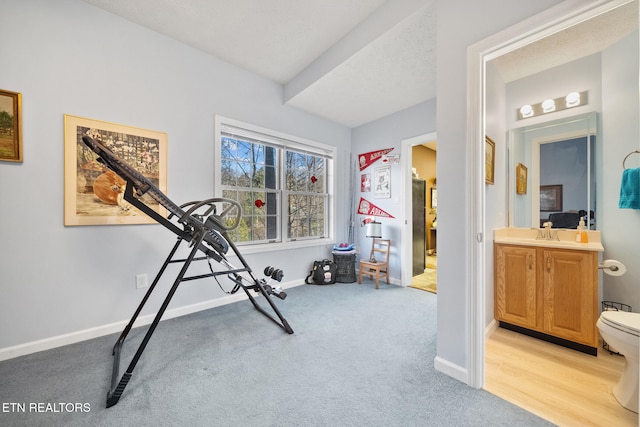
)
(479, 55)
(424, 199)
(407, 160)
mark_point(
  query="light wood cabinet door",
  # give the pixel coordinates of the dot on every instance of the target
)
(570, 294)
(515, 296)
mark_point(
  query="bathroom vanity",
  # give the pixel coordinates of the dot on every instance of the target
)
(548, 288)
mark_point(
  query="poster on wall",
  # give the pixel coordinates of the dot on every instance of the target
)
(365, 207)
(94, 194)
(367, 159)
(382, 179)
(365, 183)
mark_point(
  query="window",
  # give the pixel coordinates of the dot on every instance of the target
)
(283, 183)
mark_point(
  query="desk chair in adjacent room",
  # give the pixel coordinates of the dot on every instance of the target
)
(568, 220)
(381, 266)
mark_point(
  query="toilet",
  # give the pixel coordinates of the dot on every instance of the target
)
(621, 331)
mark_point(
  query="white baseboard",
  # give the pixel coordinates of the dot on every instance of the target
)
(87, 334)
(490, 329)
(453, 370)
(456, 371)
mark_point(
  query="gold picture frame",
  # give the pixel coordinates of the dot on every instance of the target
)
(10, 126)
(521, 179)
(93, 195)
(489, 159)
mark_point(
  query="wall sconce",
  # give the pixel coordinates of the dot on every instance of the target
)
(574, 99)
(374, 230)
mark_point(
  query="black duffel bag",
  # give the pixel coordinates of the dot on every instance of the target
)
(323, 273)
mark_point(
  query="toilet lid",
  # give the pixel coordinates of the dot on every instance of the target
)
(623, 320)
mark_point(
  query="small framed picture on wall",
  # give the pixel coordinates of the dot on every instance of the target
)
(382, 182)
(365, 183)
(490, 159)
(521, 179)
(10, 126)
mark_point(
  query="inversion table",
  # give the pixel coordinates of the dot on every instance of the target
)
(205, 230)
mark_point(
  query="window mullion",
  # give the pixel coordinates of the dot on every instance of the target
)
(284, 203)
(248, 176)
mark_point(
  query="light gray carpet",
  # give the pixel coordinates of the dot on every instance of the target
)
(359, 357)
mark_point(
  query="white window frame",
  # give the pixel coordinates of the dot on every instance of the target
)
(283, 142)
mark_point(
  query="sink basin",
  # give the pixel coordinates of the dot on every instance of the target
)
(527, 237)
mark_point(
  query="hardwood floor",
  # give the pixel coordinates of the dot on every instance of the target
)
(563, 386)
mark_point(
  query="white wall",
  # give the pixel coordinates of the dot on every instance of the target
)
(389, 132)
(461, 23)
(67, 57)
(620, 136)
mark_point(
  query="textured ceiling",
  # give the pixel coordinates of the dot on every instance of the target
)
(393, 72)
(351, 61)
(584, 39)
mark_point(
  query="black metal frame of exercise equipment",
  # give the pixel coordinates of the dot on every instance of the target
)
(204, 230)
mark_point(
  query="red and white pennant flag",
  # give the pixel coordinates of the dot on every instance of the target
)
(367, 159)
(365, 207)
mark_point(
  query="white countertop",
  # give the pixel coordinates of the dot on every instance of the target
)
(527, 237)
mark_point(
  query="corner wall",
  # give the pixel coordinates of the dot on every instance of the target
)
(389, 132)
(478, 21)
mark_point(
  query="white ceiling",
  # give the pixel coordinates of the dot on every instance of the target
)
(351, 61)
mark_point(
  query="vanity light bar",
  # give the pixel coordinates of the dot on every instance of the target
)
(574, 99)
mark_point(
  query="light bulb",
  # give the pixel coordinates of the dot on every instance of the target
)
(573, 99)
(548, 106)
(526, 111)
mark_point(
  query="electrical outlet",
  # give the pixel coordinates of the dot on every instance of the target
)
(141, 281)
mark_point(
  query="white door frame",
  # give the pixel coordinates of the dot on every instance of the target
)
(407, 211)
(557, 18)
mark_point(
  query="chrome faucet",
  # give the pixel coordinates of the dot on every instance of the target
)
(547, 233)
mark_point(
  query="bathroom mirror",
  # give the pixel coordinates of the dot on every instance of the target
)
(559, 184)
(591, 56)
